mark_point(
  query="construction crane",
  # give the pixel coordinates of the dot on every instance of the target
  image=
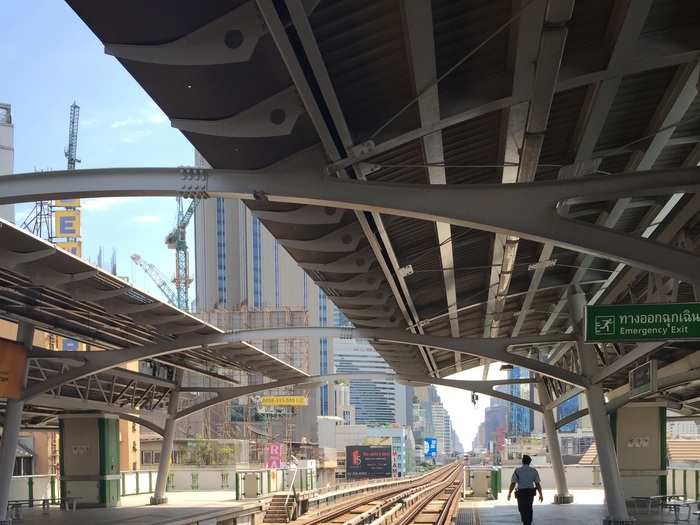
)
(156, 277)
(71, 151)
(177, 240)
(39, 219)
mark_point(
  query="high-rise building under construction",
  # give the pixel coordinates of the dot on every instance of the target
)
(241, 270)
(245, 279)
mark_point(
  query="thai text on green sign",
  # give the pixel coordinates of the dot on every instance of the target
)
(643, 322)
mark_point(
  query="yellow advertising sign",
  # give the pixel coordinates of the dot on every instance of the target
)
(67, 203)
(378, 441)
(284, 401)
(74, 247)
(13, 363)
(66, 223)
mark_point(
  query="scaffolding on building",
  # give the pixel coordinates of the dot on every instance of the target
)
(244, 418)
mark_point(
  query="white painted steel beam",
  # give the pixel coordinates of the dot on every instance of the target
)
(664, 383)
(75, 404)
(231, 38)
(379, 243)
(418, 22)
(624, 27)
(522, 54)
(677, 100)
(223, 394)
(472, 108)
(491, 348)
(526, 210)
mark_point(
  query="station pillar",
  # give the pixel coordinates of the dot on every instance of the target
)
(597, 410)
(11, 428)
(562, 496)
(166, 450)
(640, 436)
(89, 458)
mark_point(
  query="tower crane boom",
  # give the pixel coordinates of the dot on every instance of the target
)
(157, 278)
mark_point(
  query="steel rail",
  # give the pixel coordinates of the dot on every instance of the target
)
(389, 497)
(448, 507)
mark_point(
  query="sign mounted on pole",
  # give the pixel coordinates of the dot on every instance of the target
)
(642, 322)
(430, 448)
(642, 380)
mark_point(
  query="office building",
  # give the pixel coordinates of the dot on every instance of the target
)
(241, 270)
(520, 419)
(375, 401)
(334, 434)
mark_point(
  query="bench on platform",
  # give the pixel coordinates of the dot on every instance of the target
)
(14, 507)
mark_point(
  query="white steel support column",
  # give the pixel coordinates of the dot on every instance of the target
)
(10, 433)
(166, 450)
(607, 456)
(562, 495)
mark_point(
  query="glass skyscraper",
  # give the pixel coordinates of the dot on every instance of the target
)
(375, 401)
(520, 420)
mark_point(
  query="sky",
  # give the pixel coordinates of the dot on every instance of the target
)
(48, 59)
(464, 415)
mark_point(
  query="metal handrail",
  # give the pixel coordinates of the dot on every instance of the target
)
(291, 487)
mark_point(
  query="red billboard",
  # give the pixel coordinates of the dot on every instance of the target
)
(362, 462)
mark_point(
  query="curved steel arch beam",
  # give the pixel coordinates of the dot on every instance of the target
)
(69, 403)
(491, 348)
(664, 383)
(231, 38)
(143, 422)
(485, 387)
(528, 210)
(224, 394)
(94, 362)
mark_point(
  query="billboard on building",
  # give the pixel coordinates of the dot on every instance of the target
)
(430, 447)
(13, 364)
(284, 401)
(362, 462)
(273, 455)
(67, 223)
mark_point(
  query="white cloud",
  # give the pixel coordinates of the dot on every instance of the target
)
(147, 219)
(133, 136)
(104, 203)
(128, 121)
(157, 118)
(151, 116)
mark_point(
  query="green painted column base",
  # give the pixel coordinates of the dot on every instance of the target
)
(109, 492)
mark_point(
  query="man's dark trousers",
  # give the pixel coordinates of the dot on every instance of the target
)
(525, 498)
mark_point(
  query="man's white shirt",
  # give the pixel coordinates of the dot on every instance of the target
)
(525, 477)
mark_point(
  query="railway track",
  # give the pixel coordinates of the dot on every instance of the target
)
(398, 505)
(434, 506)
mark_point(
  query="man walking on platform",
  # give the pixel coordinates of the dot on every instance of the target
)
(527, 480)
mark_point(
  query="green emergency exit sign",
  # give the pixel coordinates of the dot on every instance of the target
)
(642, 322)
